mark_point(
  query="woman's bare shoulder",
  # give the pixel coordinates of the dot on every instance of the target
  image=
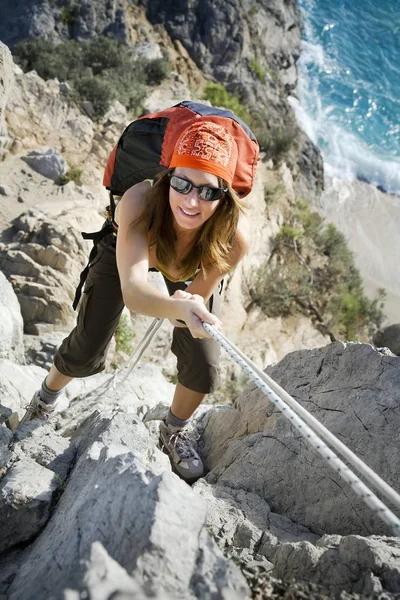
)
(132, 202)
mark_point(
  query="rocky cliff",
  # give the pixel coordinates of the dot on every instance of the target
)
(43, 245)
(249, 47)
(89, 506)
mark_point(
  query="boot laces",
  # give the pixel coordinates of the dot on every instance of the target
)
(183, 445)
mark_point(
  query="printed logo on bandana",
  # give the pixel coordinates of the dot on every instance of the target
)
(208, 141)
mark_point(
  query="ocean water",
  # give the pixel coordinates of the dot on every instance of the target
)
(349, 87)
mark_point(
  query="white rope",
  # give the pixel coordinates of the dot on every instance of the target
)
(329, 456)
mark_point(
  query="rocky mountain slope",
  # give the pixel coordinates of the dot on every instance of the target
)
(92, 509)
(37, 115)
(249, 47)
(89, 506)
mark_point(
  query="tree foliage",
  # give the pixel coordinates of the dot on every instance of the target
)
(99, 70)
(311, 271)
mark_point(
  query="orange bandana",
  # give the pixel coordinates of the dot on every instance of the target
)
(207, 147)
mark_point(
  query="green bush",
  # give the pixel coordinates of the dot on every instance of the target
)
(275, 142)
(99, 70)
(74, 174)
(156, 70)
(69, 14)
(253, 10)
(257, 69)
(64, 61)
(272, 193)
(124, 336)
(98, 90)
(312, 272)
(219, 96)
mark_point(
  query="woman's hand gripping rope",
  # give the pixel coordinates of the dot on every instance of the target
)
(194, 314)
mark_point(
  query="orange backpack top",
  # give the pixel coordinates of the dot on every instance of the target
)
(146, 145)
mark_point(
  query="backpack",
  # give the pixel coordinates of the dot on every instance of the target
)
(146, 145)
(145, 149)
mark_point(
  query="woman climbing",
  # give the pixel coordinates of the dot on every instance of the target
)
(188, 224)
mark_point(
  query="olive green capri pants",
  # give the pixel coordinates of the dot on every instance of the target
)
(84, 351)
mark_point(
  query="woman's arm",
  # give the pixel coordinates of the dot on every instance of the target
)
(133, 264)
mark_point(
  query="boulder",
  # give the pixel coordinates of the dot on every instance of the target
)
(353, 564)
(6, 84)
(48, 162)
(25, 499)
(11, 323)
(118, 513)
(133, 393)
(244, 523)
(17, 384)
(42, 444)
(44, 260)
(125, 498)
(354, 391)
(39, 115)
(117, 113)
(5, 442)
(389, 338)
(147, 51)
(106, 579)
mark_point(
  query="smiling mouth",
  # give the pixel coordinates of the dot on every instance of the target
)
(189, 214)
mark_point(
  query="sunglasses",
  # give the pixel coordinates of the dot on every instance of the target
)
(206, 192)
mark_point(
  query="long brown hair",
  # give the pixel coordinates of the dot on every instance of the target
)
(213, 241)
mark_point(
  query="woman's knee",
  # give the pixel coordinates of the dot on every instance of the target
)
(198, 361)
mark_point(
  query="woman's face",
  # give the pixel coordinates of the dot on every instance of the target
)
(190, 211)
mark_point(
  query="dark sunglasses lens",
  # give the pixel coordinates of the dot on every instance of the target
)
(209, 193)
(180, 185)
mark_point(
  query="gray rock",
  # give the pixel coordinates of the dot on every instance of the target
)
(43, 445)
(101, 430)
(88, 108)
(48, 162)
(11, 323)
(355, 392)
(133, 393)
(105, 579)
(6, 84)
(242, 520)
(5, 441)
(9, 565)
(117, 113)
(389, 338)
(356, 565)
(114, 498)
(147, 51)
(25, 499)
(17, 385)
(44, 262)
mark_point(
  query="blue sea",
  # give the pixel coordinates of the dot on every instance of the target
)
(349, 87)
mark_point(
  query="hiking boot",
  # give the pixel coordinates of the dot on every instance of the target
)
(184, 458)
(37, 409)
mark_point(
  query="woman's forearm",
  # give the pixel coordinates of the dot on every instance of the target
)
(147, 300)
